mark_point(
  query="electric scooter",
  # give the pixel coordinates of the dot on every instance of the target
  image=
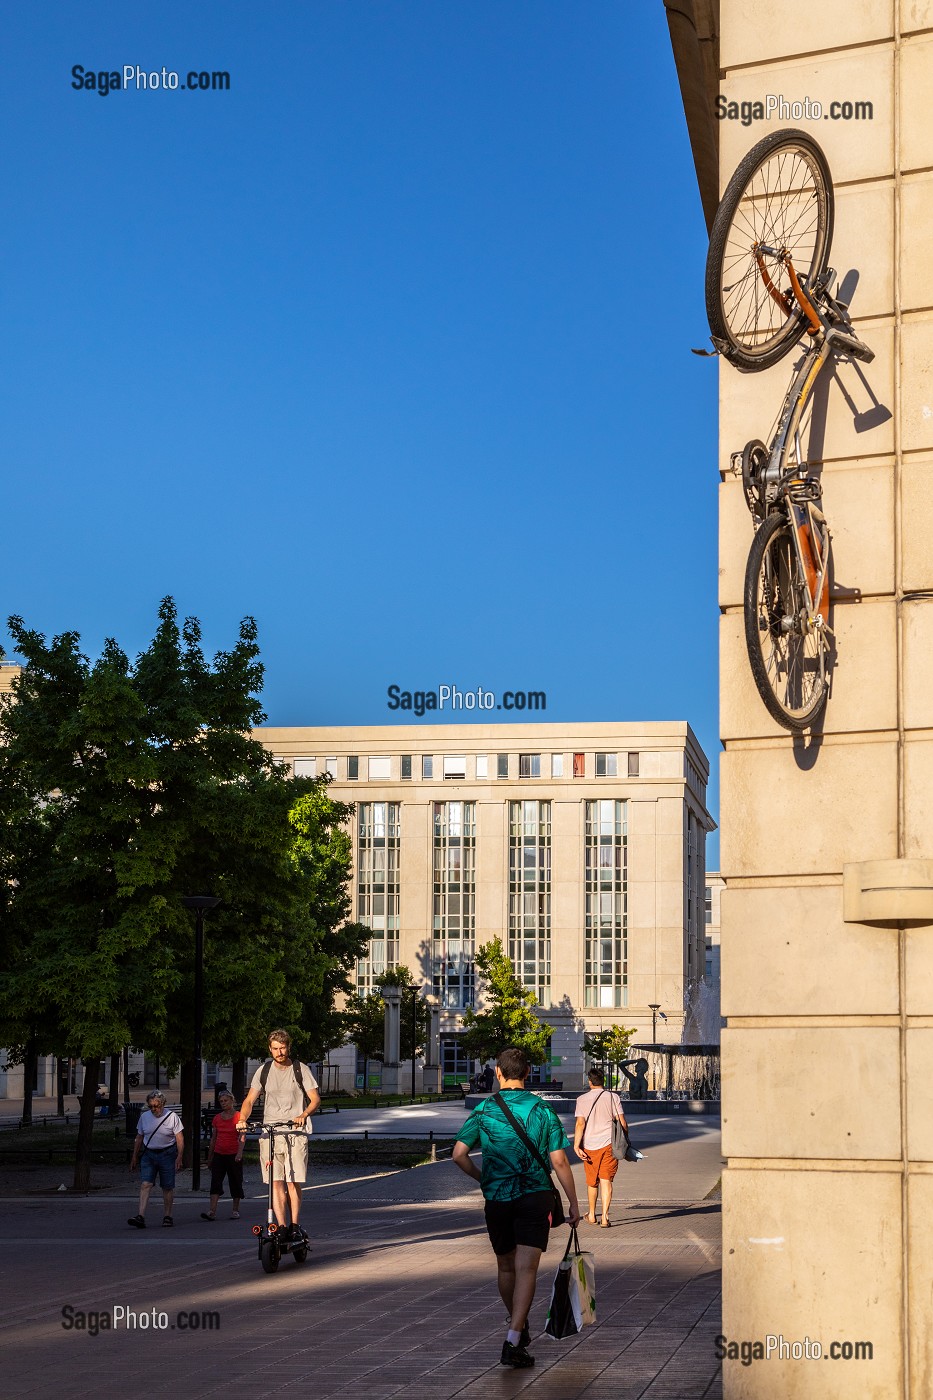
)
(274, 1239)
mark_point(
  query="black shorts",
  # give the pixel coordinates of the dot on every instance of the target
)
(225, 1164)
(526, 1220)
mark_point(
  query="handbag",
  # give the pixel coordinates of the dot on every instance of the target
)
(573, 1293)
(557, 1200)
(622, 1149)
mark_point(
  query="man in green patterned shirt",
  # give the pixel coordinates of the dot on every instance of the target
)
(517, 1189)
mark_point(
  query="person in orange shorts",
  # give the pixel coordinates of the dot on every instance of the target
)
(592, 1142)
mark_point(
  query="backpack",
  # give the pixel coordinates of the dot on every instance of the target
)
(266, 1069)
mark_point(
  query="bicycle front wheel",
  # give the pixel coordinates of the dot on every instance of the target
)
(780, 199)
(788, 655)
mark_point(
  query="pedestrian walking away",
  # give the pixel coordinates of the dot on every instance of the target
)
(157, 1151)
(225, 1157)
(290, 1096)
(520, 1137)
(592, 1141)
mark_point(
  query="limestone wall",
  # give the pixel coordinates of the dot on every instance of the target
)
(828, 1054)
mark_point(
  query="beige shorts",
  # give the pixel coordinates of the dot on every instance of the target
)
(291, 1158)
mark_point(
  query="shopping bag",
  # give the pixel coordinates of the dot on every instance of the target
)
(573, 1294)
(622, 1148)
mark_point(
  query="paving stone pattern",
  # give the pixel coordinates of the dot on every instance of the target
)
(398, 1299)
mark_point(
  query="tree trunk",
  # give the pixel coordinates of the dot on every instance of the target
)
(82, 1178)
(238, 1079)
(126, 1078)
(365, 1072)
(60, 1072)
(114, 1085)
(30, 1060)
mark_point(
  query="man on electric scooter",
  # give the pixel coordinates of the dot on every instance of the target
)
(291, 1096)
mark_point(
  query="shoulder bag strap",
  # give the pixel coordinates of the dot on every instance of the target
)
(169, 1115)
(587, 1119)
(497, 1098)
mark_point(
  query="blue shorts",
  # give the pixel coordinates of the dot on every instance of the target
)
(161, 1164)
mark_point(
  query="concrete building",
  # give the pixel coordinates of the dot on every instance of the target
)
(715, 885)
(582, 848)
(827, 853)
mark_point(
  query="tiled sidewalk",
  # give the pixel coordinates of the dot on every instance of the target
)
(397, 1299)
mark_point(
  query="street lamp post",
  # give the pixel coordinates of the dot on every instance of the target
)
(654, 1007)
(201, 904)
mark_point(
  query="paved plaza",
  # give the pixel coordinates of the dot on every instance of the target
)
(398, 1297)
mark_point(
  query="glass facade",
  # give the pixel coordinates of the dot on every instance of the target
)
(377, 888)
(606, 976)
(454, 903)
(530, 895)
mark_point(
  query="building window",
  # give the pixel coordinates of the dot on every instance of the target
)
(482, 765)
(454, 903)
(330, 766)
(353, 767)
(427, 766)
(305, 768)
(579, 765)
(709, 904)
(529, 765)
(406, 765)
(456, 1064)
(502, 765)
(557, 765)
(380, 767)
(606, 863)
(377, 888)
(633, 765)
(530, 895)
(607, 765)
(454, 767)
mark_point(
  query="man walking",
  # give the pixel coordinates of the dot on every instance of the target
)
(157, 1151)
(291, 1096)
(592, 1141)
(517, 1189)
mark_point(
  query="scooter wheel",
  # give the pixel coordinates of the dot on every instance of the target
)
(269, 1256)
(300, 1254)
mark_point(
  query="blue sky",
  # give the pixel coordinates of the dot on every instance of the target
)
(387, 346)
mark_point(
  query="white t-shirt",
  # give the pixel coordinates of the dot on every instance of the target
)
(159, 1132)
(599, 1128)
(283, 1100)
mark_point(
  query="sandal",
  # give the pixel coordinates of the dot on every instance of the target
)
(166, 1221)
(138, 1221)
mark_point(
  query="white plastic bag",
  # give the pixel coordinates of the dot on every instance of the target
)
(573, 1293)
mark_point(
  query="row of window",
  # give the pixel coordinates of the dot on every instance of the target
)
(379, 767)
(529, 919)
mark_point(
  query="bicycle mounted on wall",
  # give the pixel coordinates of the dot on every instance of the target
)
(767, 284)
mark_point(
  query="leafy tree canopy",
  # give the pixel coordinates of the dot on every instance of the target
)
(125, 786)
(508, 1017)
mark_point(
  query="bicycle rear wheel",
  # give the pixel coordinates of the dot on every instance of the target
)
(788, 656)
(780, 198)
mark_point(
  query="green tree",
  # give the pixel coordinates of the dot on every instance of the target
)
(609, 1047)
(364, 1025)
(124, 787)
(508, 1017)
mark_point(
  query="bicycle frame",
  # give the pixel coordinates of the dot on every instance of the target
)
(792, 489)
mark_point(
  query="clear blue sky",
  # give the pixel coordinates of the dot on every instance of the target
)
(387, 346)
